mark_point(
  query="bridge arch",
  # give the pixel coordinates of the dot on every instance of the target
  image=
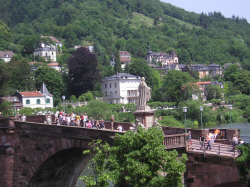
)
(226, 178)
(60, 170)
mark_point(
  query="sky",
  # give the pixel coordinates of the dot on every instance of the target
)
(226, 7)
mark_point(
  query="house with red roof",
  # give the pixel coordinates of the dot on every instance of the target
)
(35, 99)
(125, 58)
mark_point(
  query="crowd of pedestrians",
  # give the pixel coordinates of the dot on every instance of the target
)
(79, 120)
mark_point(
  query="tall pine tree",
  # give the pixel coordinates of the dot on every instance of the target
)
(117, 67)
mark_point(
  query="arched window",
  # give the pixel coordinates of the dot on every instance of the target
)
(38, 101)
(27, 102)
(48, 100)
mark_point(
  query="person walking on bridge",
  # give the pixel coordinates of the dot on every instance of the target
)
(209, 141)
(202, 141)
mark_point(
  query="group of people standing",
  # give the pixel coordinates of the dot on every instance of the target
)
(209, 139)
(80, 120)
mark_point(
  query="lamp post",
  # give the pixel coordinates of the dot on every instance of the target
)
(14, 102)
(201, 109)
(230, 108)
(63, 98)
(185, 111)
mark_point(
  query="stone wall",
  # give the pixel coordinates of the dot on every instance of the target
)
(210, 170)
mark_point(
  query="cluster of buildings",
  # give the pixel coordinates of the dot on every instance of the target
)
(119, 88)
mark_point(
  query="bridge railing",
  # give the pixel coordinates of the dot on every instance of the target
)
(176, 141)
(223, 150)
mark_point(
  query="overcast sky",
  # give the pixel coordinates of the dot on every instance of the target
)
(226, 7)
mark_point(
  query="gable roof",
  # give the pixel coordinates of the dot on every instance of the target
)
(122, 53)
(31, 94)
(52, 38)
(6, 54)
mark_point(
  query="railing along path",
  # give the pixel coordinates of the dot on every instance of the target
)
(224, 150)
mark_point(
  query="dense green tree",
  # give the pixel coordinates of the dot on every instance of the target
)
(83, 72)
(117, 66)
(20, 77)
(174, 86)
(214, 92)
(243, 162)
(6, 108)
(242, 83)
(136, 159)
(52, 79)
(140, 67)
(231, 73)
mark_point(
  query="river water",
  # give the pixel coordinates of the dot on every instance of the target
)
(244, 129)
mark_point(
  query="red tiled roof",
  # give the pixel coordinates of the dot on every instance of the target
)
(125, 59)
(31, 94)
(53, 64)
(52, 38)
(205, 82)
(31, 63)
(124, 53)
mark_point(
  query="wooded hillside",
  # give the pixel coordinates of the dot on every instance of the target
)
(128, 25)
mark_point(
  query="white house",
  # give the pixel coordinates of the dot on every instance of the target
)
(49, 53)
(58, 43)
(36, 99)
(6, 55)
(121, 88)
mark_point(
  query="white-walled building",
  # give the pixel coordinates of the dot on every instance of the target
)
(46, 52)
(58, 43)
(36, 99)
(121, 88)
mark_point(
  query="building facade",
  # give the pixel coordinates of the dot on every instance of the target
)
(49, 53)
(36, 99)
(163, 58)
(121, 88)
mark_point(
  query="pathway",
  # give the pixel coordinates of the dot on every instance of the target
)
(224, 150)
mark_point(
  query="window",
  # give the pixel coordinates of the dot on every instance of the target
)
(52, 53)
(38, 101)
(48, 100)
(110, 85)
(105, 85)
(27, 102)
(115, 85)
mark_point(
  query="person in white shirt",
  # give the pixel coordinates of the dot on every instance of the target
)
(23, 118)
(119, 128)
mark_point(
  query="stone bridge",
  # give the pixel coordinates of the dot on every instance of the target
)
(39, 155)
